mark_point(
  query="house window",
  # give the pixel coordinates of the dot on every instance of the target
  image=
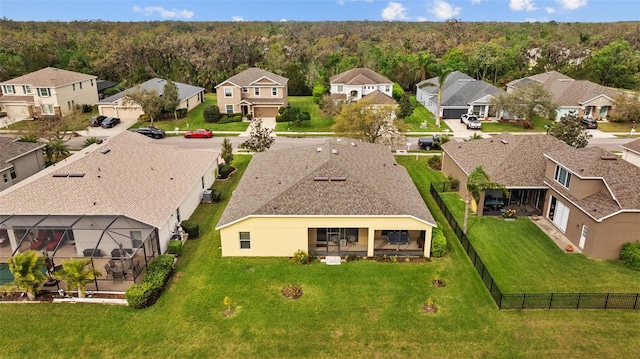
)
(202, 180)
(178, 214)
(256, 91)
(69, 104)
(245, 89)
(274, 91)
(74, 86)
(229, 109)
(245, 240)
(9, 90)
(340, 88)
(44, 92)
(26, 90)
(562, 176)
(228, 92)
(136, 239)
(91, 82)
(5, 178)
(387, 88)
(47, 109)
(80, 83)
(12, 172)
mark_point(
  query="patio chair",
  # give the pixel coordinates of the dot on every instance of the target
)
(108, 270)
(118, 275)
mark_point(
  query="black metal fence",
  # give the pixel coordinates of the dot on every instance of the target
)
(529, 300)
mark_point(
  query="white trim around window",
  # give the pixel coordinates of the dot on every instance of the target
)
(8, 89)
(228, 92)
(562, 176)
(245, 89)
(256, 91)
(245, 240)
(47, 109)
(26, 89)
(44, 92)
(274, 91)
(229, 109)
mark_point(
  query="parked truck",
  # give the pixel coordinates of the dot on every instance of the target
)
(471, 121)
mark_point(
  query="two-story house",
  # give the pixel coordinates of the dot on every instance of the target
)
(362, 83)
(18, 160)
(49, 91)
(253, 91)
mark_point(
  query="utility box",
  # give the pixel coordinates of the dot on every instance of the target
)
(207, 196)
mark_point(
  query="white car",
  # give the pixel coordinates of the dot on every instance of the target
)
(471, 121)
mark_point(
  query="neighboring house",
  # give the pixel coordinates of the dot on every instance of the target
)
(588, 194)
(585, 98)
(362, 84)
(461, 94)
(103, 86)
(631, 152)
(18, 160)
(336, 198)
(253, 91)
(118, 201)
(49, 91)
(116, 105)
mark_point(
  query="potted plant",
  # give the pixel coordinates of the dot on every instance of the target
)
(510, 214)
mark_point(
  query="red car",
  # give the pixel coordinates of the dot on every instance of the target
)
(199, 133)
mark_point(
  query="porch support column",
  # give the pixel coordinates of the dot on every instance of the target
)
(427, 241)
(370, 242)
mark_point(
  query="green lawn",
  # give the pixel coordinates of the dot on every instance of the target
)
(522, 258)
(360, 309)
(421, 114)
(538, 126)
(318, 123)
(616, 127)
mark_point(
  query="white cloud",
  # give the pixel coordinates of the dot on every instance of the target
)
(519, 5)
(476, 1)
(422, 19)
(550, 10)
(442, 10)
(164, 13)
(340, 2)
(572, 4)
(394, 11)
(237, 18)
(283, 20)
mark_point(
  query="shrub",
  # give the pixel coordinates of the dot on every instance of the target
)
(224, 170)
(318, 91)
(191, 228)
(146, 293)
(138, 294)
(211, 113)
(174, 247)
(248, 116)
(630, 255)
(90, 141)
(237, 118)
(352, 257)
(301, 257)
(181, 112)
(438, 243)
(435, 162)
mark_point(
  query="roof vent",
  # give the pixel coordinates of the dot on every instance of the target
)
(338, 178)
(76, 174)
(609, 157)
(319, 149)
(320, 178)
(354, 144)
(105, 151)
(504, 141)
(334, 151)
(60, 175)
(339, 140)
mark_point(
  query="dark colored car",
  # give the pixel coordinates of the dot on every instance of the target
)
(110, 122)
(589, 123)
(151, 132)
(199, 133)
(429, 143)
(96, 121)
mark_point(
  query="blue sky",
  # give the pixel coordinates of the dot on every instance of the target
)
(322, 10)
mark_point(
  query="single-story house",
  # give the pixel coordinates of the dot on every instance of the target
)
(588, 194)
(461, 94)
(360, 84)
(336, 198)
(584, 98)
(117, 202)
(116, 106)
(19, 160)
(253, 91)
(631, 152)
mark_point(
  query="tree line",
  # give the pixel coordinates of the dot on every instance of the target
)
(309, 53)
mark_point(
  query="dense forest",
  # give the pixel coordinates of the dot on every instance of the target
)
(308, 53)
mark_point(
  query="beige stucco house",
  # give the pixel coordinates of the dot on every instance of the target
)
(584, 98)
(18, 160)
(49, 91)
(118, 201)
(588, 194)
(115, 106)
(362, 84)
(631, 152)
(253, 91)
(337, 198)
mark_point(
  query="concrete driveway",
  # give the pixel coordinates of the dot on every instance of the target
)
(107, 132)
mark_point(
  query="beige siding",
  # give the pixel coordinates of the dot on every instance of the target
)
(631, 157)
(63, 95)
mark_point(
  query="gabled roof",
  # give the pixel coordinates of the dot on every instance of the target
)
(459, 89)
(125, 175)
(620, 177)
(513, 161)
(360, 76)
(367, 181)
(378, 98)
(49, 77)
(251, 75)
(633, 146)
(184, 91)
(10, 149)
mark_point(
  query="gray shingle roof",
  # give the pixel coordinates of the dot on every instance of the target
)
(459, 89)
(253, 74)
(184, 91)
(359, 76)
(379, 98)
(633, 146)
(282, 183)
(135, 178)
(10, 149)
(49, 77)
(518, 163)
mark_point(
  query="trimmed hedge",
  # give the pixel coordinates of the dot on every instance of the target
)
(191, 228)
(175, 247)
(630, 255)
(144, 294)
(438, 243)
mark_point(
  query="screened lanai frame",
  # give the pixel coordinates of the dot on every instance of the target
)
(116, 240)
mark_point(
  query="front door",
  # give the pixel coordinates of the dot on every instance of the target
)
(583, 236)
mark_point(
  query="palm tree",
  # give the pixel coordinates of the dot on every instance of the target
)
(27, 272)
(77, 273)
(477, 182)
(56, 150)
(443, 73)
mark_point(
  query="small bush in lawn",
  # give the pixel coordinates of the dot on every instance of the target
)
(301, 257)
(181, 113)
(211, 113)
(191, 228)
(438, 243)
(174, 247)
(352, 257)
(630, 255)
(435, 162)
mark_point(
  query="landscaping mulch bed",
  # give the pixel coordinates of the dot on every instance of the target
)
(49, 296)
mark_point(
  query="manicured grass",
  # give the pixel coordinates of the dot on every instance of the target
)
(616, 127)
(522, 258)
(360, 309)
(421, 114)
(318, 123)
(538, 126)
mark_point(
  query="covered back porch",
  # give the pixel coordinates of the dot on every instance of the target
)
(526, 202)
(367, 241)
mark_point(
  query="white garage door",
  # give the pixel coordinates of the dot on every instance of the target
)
(17, 112)
(265, 111)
